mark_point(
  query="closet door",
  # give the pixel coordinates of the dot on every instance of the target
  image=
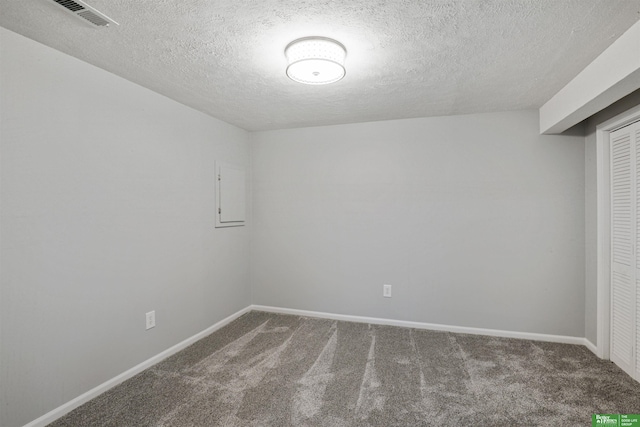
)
(625, 238)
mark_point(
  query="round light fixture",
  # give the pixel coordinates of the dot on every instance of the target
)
(315, 60)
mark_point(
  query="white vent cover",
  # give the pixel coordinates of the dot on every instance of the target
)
(86, 12)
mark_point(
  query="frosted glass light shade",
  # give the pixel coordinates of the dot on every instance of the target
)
(315, 60)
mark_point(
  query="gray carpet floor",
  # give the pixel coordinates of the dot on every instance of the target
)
(278, 370)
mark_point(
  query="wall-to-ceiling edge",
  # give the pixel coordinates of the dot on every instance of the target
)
(215, 140)
(613, 75)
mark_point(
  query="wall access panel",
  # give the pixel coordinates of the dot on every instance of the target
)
(231, 195)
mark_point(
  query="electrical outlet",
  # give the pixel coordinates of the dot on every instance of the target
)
(151, 319)
(386, 291)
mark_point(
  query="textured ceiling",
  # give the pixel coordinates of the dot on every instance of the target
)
(405, 58)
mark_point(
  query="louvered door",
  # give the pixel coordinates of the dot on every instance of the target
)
(625, 239)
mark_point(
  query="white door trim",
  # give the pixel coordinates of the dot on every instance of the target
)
(604, 227)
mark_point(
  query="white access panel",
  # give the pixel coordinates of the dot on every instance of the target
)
(231, 197)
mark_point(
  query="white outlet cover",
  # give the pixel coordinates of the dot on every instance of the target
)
(386, 291)
(151, 319)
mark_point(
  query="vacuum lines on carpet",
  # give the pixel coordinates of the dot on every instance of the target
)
(268, 369)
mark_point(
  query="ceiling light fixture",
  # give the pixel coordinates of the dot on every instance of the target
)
(315, 60)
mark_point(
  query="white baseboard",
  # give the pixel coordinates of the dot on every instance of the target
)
(60, 411)
(53, 415)
(591, 346)
(431, 326)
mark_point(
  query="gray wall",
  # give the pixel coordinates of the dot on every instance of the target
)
(475, 220)
(591, 208)
(108, 204)
(107, 213)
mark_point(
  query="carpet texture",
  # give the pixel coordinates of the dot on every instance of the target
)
(278, 370)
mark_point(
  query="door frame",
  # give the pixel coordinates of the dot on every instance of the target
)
(603, 168)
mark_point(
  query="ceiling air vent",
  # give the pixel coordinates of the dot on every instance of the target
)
(86, 12)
